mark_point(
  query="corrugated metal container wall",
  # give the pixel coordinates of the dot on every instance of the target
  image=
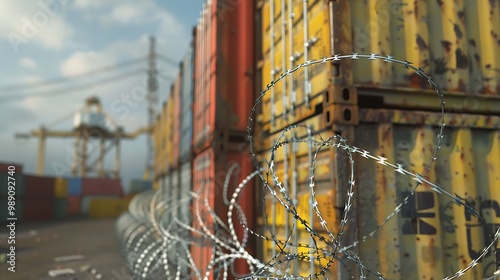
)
(431, 237)
(61, 188)
(38, 208)
(169, 127)
(204, 67)
(158, 147)
(457, 41)
(185, 189)
(209, 172)
(223, 73)
(87, 201)
(60, 208)
(74, 186)
(289, 37)
(107, 207)
(74, 205)
(174, 192)
(176, 121)
(187, 104)
(450, 40)
(39, 186)
(291, 164)
(202, 169)
(99, 186)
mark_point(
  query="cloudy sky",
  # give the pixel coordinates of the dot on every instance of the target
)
(62, 39)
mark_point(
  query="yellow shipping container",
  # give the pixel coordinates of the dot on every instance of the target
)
(431, 236)
(108, 207)
(61, 188)
(450, 40)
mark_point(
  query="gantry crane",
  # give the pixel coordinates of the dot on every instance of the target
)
(91, 125)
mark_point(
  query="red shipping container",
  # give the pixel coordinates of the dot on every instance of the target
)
(224, 59)
(4, 167)
(39, 186)
(38, 209)
(100, 186)
(209, 172)
(73, 206)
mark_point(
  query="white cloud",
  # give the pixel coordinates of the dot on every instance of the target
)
(56, 35)
(82, 62)
(89, 4)
(31, 79)
(28, 63)
(24, 22)
(127, 13)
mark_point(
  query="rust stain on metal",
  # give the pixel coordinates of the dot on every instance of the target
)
(422, 45)
(447, 45)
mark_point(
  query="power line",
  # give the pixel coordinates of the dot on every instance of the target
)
(5, 99)
(18, 87)
(168, 60)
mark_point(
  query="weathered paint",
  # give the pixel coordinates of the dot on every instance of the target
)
(432, 236)
(223, 72)
(429, 118)
(292, 165)
(296, 98)
(209, 172)
(456, 42)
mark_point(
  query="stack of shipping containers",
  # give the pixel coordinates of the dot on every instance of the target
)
(390, 111)
(186, 131)
(223, 94)
(43, 198)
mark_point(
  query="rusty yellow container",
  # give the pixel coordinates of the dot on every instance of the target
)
(61, 188)
(289, 37)
(430, 237)
(291, 164)
(107, 207)
(456, 42)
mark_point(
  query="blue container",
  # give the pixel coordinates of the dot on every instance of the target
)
(187, 91)
(75, 186)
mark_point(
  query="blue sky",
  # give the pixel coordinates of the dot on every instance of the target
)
(49, 39)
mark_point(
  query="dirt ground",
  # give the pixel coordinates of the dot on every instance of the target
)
(37, 244)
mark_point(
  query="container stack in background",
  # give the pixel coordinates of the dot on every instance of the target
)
(44, 198)
(74, 198)
(388, 111)
(201, 131)
(223, 97)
